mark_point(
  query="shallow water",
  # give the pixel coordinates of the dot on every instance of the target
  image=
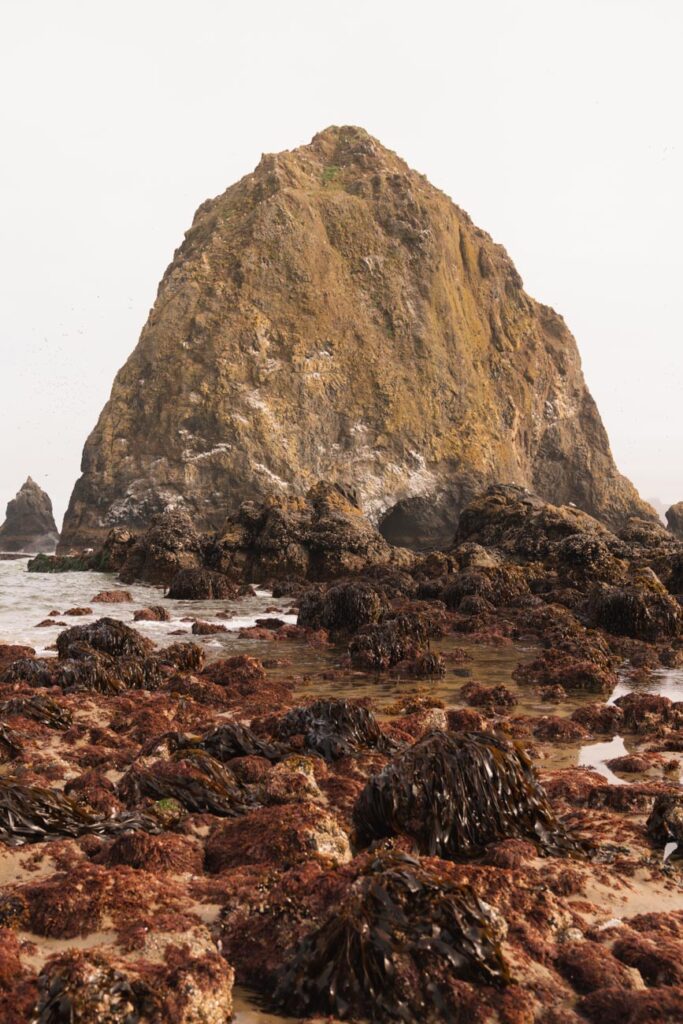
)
(27, 598)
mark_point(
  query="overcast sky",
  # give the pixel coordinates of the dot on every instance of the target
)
(556, 124)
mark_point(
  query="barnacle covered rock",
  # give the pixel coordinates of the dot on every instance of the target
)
(521, 524)
(170, 544)
(456, 793)
(643, 609)
(582, 556)
(665, 823)
(334, 728)
(80, 988)
(390, 949)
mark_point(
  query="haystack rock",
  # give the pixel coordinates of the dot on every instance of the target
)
(333, 316)
(29, 524)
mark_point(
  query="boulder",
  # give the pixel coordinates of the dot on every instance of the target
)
(525, 526)
(674, 518)
(321, 536)
(170, 544)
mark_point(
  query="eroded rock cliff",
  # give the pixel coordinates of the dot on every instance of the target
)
(334, 316)
(29, 524)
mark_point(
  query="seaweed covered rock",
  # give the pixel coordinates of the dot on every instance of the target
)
(391, 949)
(113, 597)
(10, 653)
(555, 668)
(170, 544)
(154, 853)
(192, 777)
(643, 609)
(498, 585)
(589, 966)
(186, 657)
(112, 555)
(523, 525)
(107, 636)
(39, 708)
(600, 718)
(285, 834)
(155, 613)
(230, 739)
(201, 585)
(343, 608)
(380, 646)
(456, 793)
(60, 563)
(88, 669)
(238, 669)
(333, 729)
(33, 814)
(34, 671)
(321, 536)
(202, 628)
(582, 557)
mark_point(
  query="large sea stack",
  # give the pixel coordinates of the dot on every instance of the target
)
(334, 316)
(29, 524)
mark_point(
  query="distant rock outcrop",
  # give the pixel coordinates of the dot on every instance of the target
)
(29, 524)
(674, 518)
(334, 316)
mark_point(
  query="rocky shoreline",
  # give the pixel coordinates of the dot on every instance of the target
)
(366, 830)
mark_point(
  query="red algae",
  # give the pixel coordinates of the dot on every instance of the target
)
(213, 814)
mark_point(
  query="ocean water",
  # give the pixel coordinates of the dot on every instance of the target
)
(26, 598)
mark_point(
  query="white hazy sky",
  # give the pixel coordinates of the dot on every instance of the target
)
(555, 123)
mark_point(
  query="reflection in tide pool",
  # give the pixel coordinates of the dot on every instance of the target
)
(666, 682)
(594, 755)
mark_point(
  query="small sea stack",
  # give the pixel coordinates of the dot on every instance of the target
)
(29, 523)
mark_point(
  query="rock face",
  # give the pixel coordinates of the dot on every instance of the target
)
(317, 537)
(334, 316)
(29, 524)
(674, 518)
